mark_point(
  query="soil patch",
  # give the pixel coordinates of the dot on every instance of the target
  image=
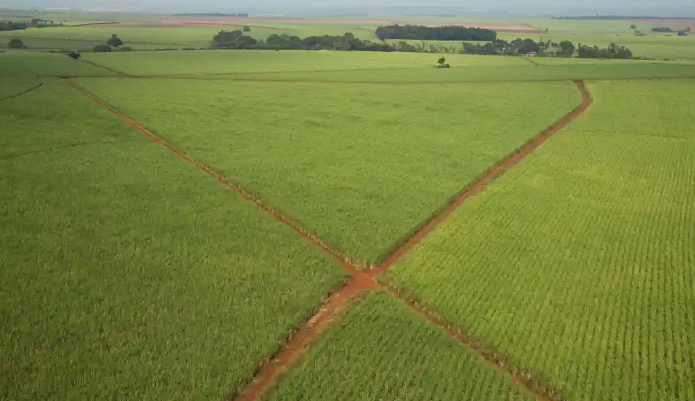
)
(675, 24)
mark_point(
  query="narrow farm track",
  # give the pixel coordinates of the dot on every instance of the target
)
(484, 179)
(315, 241)
(268, 374)
(33, 88)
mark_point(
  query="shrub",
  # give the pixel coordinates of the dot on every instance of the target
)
(16, 44)
(102, 49)
(74, 55)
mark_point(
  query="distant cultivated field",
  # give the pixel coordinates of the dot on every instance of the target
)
(368, 67)
(260, 61)
(137, 37)
(383, 351)
(125, 270)
(493, 73)
(360, 165)
(576, 265)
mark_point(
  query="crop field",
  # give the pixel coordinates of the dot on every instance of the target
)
(577, 264)
(14, 66)
(247, 225)
(124, 271)
(11, 87)
(417, 363)
(495, 73)
(303, 66)
(283, 62)
(287, 153)
(139, 38)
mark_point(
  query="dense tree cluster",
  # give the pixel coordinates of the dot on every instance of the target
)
(12, 26)
(562, 49)
(612, 51)
(16, 44)
(347, 42)
(35, 23)
(435, 33)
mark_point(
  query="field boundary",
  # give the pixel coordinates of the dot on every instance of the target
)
(24, 92)
(268, 374)
(247, 196)
(476, 347)
(478, 184)
(365, 281)
(240, 77)
(120, 74)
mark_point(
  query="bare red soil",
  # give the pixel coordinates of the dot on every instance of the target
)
(268, 374)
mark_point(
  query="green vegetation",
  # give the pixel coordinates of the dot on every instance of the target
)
(448, 33)
(495, 73)
(283, 62)
(15, 65)
(329, 162)
(139, 38)
(126, 270)
(577, 264)
(382, 351)
(11, 87)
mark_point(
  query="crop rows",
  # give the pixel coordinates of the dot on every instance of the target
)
(577, 265)
(125, 271)
(380, 350)
(358, 166)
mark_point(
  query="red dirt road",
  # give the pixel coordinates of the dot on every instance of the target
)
(269, 373)
(487, 177)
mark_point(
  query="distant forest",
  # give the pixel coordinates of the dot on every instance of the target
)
(621, 17)
(410, 32)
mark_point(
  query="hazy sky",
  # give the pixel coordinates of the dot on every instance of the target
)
(241, 5)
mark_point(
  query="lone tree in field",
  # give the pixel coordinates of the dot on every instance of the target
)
(247, 29)
(442, 63)
(115, 41)
(16, 44)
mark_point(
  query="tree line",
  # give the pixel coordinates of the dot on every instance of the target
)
(410, 32)
(563, 49)
(347, 42)
(22, 25)
(13, 26)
